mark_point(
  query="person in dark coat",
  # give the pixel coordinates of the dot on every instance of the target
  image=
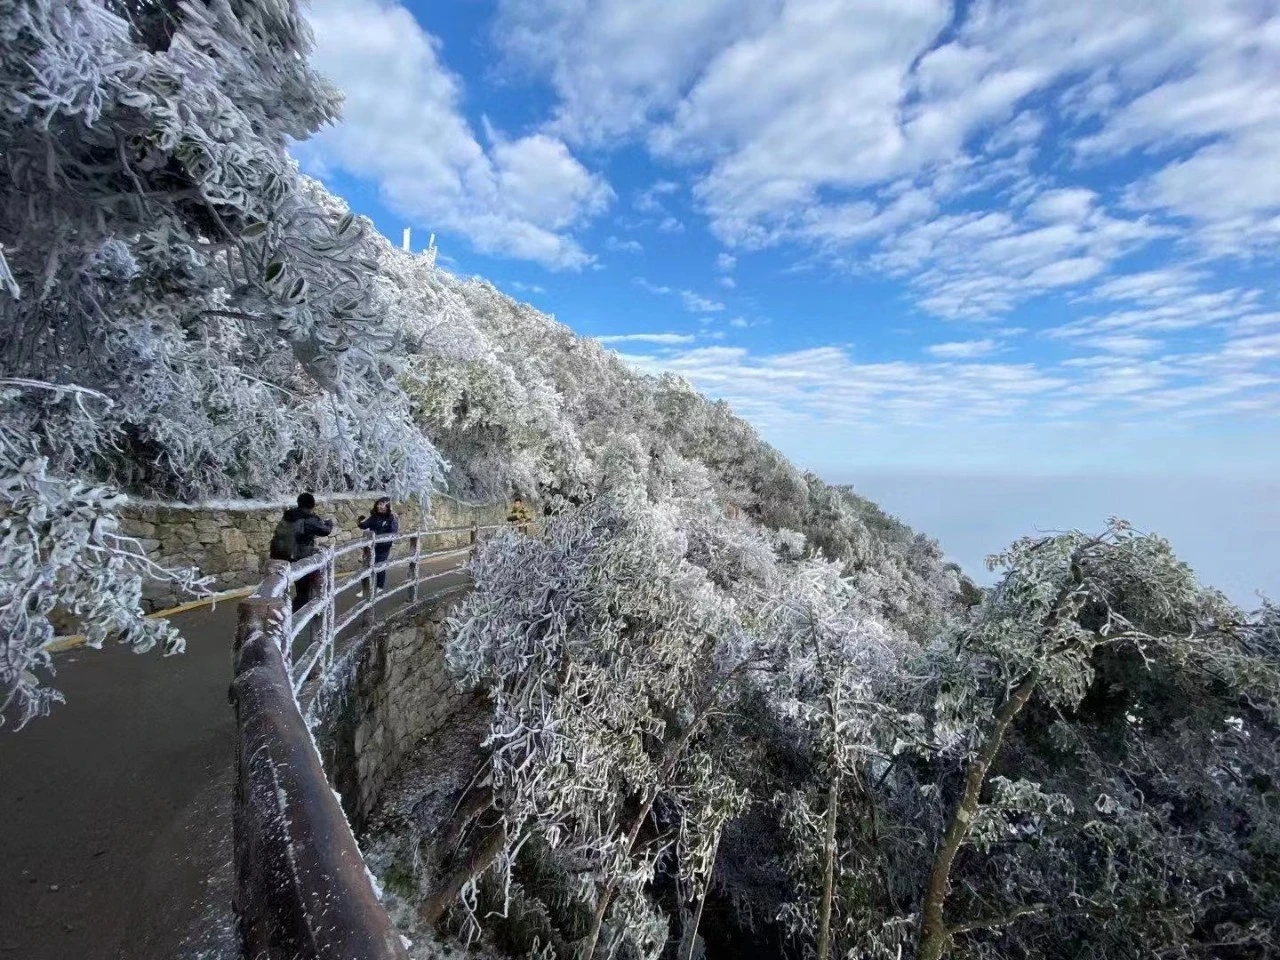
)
(382, 522)
(304, 526)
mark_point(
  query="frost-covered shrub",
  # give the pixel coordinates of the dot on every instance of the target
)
(63, 557)
(607, 654)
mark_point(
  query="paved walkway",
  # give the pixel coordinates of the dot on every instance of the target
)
(115, 828)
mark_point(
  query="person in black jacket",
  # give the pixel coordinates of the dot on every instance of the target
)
(382, 522)
(295, 539)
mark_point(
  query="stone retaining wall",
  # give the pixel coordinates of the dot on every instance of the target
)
(395, 691)
(229, 540)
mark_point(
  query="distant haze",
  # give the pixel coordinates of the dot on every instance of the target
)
(1228, 530)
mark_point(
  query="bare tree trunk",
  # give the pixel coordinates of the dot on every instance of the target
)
(829, 868)
(589, 947)
(670, 756)
(597, 921)
(490, 846)
(934, 934)
(472, 805)
(702, 901)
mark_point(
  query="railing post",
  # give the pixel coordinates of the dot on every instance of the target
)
(327, 610)
(475, 536)
(366, 560)
(371, 580)
(416, 543)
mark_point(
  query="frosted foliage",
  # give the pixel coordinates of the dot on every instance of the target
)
(844, 685)
(514, 399)
(605, 601)
(167, 253)
(160, 252)
(159, 247)
(63, 556)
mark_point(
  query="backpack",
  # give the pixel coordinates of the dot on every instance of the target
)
(284, 542)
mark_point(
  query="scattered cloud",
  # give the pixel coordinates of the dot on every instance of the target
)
(658, 338)
(828, 386)
(695, 303)
(1165, 301)
(979, 266)
(653, 288)
(620, 64)
(1124, 344)
(963, 349)
(647, 201)
(624, 246)
(403, 130)
(1094, 183)
(929, 159)
(527, 287)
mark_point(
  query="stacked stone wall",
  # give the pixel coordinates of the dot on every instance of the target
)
(228, 541)
(394, 693)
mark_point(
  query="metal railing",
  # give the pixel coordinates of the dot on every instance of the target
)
(324, 604)
(302, 891)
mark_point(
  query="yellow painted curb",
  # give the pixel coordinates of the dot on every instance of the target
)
(59, 644)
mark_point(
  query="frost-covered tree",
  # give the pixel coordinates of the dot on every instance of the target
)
(609, 656)
(844, 668)
(1086, 769)
(160, 252)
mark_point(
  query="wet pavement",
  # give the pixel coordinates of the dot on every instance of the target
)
(115, 826)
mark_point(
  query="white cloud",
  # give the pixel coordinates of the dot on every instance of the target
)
(981, 265)
(903, 131)
(1124, 344)
(775, 128)
(1219, 110)
(1124, 385)
(403, 129)
(624, 246)
(963, 349)
(696, 303)
(826, 386)
(647, 201)
(693, 302)
(725, 262)
(618, 64)
(653, 288)
(527, 287)
(1163, 301)
(659, 338)
(1071, 205)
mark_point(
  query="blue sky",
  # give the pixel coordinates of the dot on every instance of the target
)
(1001, 239)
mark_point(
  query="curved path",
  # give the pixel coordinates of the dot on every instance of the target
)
(115, 827)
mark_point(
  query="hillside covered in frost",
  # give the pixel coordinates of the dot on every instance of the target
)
(185, 316)
(732, 707)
